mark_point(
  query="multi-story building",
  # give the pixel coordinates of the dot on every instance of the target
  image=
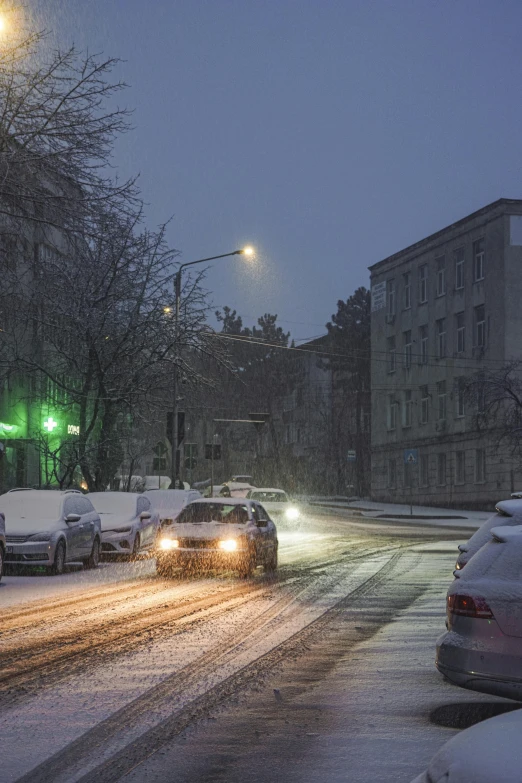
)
(442, 309)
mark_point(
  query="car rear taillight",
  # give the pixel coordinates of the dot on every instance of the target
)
(469, 606)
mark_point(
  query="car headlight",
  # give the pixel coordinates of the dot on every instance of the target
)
(44, 536)
(228, 544)
(169, 543)
(292, 513)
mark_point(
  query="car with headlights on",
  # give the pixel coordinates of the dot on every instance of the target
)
(169, 503)
(278, 504)
(482, 648)
(129, 523)
(229, 533)
(47, 527)
(507, 513)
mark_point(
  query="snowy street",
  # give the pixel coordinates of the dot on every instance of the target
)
(118, 674)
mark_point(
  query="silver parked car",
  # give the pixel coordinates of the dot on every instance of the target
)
(227, 533)
(507, 513)
(50, 528)
(129, 523)
(482, 649)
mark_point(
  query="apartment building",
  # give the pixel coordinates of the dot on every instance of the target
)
(442, 309)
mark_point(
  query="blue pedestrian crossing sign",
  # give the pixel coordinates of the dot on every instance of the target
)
(411, 456)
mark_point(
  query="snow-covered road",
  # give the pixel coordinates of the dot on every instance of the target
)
(118, 673)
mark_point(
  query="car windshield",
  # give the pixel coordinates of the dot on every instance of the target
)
(214, 512)
(113, 502)
(28, 505)
(269, 497)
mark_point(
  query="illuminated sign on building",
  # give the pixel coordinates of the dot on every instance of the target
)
(73, 429)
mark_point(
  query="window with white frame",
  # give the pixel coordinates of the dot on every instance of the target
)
(478, 260)
(392, 412)
(480, 326)
(392, 354)
(441, 400)
(423, 283)
(459, 268)
(406, 290)
(390, 296)
(425, 405)
(441, 469)
(408, 409)
(460, 328)
(423, 339)
(406, 339)
(460, 467)
(480, 466)
(441, 338)
(441, 275)
(424, 470)
(460, 396)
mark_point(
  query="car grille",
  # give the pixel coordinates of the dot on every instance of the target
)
(198, 543)
(17, 539)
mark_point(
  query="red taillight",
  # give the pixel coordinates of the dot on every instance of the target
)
(469, 607)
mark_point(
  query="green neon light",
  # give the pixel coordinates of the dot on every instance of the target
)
(50, 424)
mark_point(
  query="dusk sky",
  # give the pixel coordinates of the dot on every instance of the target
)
(328, 134)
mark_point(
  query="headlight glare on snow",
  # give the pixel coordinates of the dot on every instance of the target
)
(292, 513)
(169, 543)
(228, 544)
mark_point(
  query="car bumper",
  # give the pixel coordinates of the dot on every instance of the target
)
(30, 553)
(489, 665)
(117, 543)
(217, 558)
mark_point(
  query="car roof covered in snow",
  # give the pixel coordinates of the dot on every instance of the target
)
(268, 489)
(221, 501)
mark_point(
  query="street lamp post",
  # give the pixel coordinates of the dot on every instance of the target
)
(247, 251)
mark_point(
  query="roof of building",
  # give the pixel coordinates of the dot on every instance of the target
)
(479, 213)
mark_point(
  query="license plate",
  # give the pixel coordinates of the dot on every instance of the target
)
(9, 550)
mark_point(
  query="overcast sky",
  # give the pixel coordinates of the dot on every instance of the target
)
(328, 133)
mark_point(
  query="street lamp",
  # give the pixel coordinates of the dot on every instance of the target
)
(246, 251)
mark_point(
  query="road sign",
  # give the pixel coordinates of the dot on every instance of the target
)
(351, 456)
(411, 456)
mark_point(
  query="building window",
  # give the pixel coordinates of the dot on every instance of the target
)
(390, 296)
(441, 398)
(423, 283)
(441, 275)
(424, 470)
(406, 338)
(441, 469)
(441, 338)
(408, 409)
(423, 336)
(480, 466)
(480, 327)
(460, 467)
(392, 474)
(461, 332)
(460, 386)
(392, 412)
(392, 354)
(459, 268)
(425, 405)
(478, 260)
(406, 281)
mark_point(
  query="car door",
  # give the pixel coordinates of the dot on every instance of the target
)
(146, 525)
(87, 525)
(269, 532)
(73, 530)
(262, 539)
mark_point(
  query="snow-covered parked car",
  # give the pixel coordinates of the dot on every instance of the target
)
(2, 545)
(169, 503)
(129, 523)
(277, 503)
(488, 752)
(507, 513)
(482, 649)
(226, 533)
(46, 527)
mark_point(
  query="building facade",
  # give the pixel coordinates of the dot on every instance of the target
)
(442, 310)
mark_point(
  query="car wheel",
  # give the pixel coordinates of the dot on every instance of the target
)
(58, 567)
(1, 562)
(271, 563)
(94, 558)
(136, 546)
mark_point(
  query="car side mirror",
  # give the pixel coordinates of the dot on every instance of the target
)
(72, 518)
(145, 515)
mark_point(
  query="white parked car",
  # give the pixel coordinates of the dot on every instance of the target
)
(46, 527)
(482, 649)
(129, 523)
(488, 752)
(170, 502)
(507, 513)
(2, 545)
(277, 503)
(227, 533)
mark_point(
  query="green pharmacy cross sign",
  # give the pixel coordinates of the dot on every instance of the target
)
(50, 424)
